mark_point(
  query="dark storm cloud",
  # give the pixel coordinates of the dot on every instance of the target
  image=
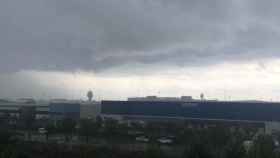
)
(96, 34)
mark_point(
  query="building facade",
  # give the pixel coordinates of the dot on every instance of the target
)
(90, 110)
(211, 110)
(60, 110)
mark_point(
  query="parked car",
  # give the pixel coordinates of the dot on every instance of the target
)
(142, 139)
(42, 131)
(165, 140)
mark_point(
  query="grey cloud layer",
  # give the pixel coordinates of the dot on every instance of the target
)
(99, 34)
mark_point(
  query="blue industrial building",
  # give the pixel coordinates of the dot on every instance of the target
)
(211, 110)
(65, 110)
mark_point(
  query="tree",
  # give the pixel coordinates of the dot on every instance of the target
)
(99, 122)
(87, 128)
(154, 151)
(28, 115)
(153, 130)
(198, 151)
(110, 127)
(235, 151)
(5, 136)
(263, 147)
(67, 127)
(50, 129)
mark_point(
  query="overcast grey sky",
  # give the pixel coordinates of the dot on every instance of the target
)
(109, 42)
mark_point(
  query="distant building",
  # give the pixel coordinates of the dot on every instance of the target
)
(27, 113)
(62, 110)
(186, 98)
(55, 109)
(155, 98)
(26, 101)
(74, 110)
(264, 114)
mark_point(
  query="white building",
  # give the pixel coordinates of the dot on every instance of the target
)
(90, 110)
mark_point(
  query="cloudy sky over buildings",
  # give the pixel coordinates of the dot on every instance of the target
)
(121, 48)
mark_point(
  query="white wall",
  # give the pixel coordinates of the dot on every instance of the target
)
(90, 110)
